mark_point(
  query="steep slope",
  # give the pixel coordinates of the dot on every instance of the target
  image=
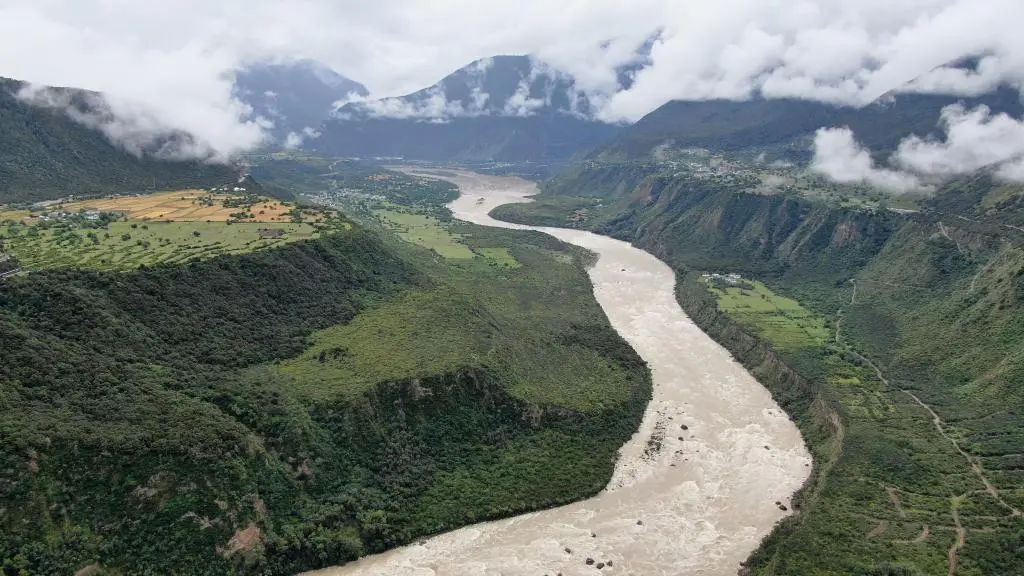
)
(44, 154)
(509, 108)
(294, 95)
(899, 358)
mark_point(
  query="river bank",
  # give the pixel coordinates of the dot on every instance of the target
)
(697, 486)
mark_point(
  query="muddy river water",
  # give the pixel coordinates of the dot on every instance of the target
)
(697, 507)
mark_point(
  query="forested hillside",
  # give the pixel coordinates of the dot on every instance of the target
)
(47, 155)
(300, 406)
(900, 357)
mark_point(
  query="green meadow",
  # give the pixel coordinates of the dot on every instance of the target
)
(782, 320)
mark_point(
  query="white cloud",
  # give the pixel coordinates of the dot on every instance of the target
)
(175, 57)
(974, 139)
(838, 156)
(140, 129)
(1012, 171)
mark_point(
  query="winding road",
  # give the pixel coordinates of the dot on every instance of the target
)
(699, 505)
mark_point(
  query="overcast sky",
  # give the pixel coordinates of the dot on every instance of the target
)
(172, 54)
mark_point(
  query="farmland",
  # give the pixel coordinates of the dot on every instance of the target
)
(125, 232)
(783, 321)
(425, 231)
(188, 206)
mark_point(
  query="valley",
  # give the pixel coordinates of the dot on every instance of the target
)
(697, 486)
(628, 288)
(891, 338)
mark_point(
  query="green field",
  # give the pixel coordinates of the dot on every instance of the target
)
(785, 322)
(425, 231)
(492, 310)
(126, 245)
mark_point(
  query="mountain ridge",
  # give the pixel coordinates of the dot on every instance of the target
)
(297, 96)
(508, 108)
(784, 126)
(49, 154)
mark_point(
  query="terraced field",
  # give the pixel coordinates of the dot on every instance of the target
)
(782, 320)
(125, 232)
(186, 206)
(125, 245)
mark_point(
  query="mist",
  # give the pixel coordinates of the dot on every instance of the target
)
(973, 139)
(170, 66)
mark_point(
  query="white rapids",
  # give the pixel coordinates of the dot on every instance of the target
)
(699, 506)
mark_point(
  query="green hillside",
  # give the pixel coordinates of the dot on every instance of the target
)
(892, 339)
(46, 155)
(303, 405)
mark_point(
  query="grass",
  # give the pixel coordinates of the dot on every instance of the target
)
(518, 319)
(425, 231)
(783, 321)
(501, 257)
(126, 245)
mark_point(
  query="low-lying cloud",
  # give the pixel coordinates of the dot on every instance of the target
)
(974, 139)
(175, 57)
(139, 129)
(536, 90)
(839, 156)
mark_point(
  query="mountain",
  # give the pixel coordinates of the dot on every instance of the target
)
(302, 404)
(723, 125)
(46, 154)
(294, 95)
(785, 126)
(511, 108)
(892, 340)
(882, 124)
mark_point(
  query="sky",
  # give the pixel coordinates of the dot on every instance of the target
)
(174, 57)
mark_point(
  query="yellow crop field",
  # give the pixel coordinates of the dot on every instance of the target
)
(184, 206)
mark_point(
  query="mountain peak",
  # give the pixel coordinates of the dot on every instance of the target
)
(502, 86)
(296, 95)
(506, 107)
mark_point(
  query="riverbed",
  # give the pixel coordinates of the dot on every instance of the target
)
(699, 504)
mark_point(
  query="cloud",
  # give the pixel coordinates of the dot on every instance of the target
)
(134, 127)
(295, 139)
(974, 139)
(431, 105)
(838, 156)
(175, 57)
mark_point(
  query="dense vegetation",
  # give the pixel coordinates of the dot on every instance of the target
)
(47, 155)
(292, 408)
(901, 363)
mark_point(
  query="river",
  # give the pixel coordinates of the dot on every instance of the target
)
(699, 506)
